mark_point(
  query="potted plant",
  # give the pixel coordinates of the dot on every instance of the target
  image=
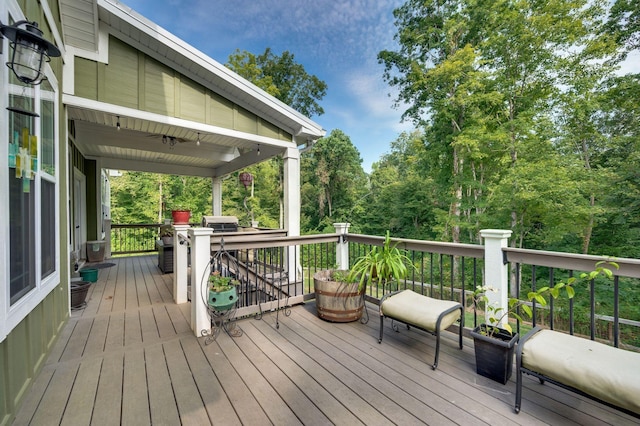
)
(222, 292)
(495, 345)
(180, 216)
(339, 298)
(166, 234)
(384, 264)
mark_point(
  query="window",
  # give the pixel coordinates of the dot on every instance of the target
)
(32, 184)
(22, 238)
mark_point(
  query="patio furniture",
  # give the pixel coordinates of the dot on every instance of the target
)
(601, 372)
(423, 312)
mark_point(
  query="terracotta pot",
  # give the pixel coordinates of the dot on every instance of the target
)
(181, 217)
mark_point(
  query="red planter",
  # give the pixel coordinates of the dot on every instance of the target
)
(181, 217)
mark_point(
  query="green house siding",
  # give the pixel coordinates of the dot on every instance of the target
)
(134, 80)
(24, 351)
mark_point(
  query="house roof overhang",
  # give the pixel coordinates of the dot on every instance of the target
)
(138, 144)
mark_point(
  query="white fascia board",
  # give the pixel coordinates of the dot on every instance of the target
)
(88, 104)
(312, 129)
(55, 31)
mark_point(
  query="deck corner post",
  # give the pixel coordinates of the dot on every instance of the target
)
(496, 270)
(200, 243)
(180, 264)
(342, 247)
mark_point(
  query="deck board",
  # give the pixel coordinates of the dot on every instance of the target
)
(130, 357)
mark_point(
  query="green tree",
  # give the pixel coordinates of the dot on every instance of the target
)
(333, 180)
(282, 77)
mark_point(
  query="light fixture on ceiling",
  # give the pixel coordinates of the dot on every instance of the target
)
(170, 140)
(118, 123)
(30, 51)
(258, 152)
(198, 140)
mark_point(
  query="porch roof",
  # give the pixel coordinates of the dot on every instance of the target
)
(86, 25)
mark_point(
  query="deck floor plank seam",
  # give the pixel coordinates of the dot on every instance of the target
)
(245, 405)
(188, 399)
(335, 376)
(420, 401)
(321, 388)
(299, 395)
(276, 409)
(213, 395)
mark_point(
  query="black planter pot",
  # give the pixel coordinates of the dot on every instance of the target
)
(79, 291)
(494, 355)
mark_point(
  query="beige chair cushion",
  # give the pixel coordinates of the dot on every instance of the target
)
(607, 373)
(421, 311)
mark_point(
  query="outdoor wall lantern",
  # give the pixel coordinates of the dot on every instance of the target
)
(30, 51)
(245, 179)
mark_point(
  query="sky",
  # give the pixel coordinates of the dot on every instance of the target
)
(336, 40)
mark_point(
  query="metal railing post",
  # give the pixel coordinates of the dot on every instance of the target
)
(200, 243)
(496, 269)
(342, 247)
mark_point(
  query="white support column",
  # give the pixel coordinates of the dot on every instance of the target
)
(107, 238)
(216, 196)
(180, 264)
(200, 257)
(291, 157)
(342, 248)
(291, 196)
(495, 270)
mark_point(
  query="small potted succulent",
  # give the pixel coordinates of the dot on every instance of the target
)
(222, 291)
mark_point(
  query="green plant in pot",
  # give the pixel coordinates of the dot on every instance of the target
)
(222, 291)
(384, 265)
(495, 341)
(166, 234)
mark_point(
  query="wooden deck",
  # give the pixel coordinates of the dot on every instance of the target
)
(130, 358)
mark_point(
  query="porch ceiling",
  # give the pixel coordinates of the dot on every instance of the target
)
(138, 145)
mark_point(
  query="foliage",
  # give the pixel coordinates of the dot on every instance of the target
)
(515, 306)
(383, 264)
(282, 77)
(343, 276)
(333, 181)
(219, 283)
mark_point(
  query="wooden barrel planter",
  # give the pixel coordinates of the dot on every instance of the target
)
(337, 301)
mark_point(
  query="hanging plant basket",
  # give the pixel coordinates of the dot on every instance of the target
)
(494, 354)
(223, 300)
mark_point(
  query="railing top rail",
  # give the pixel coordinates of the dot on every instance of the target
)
(571, 261)
(455, 249)
(246, 240)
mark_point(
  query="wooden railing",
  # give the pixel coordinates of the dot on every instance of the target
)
(603, 310)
